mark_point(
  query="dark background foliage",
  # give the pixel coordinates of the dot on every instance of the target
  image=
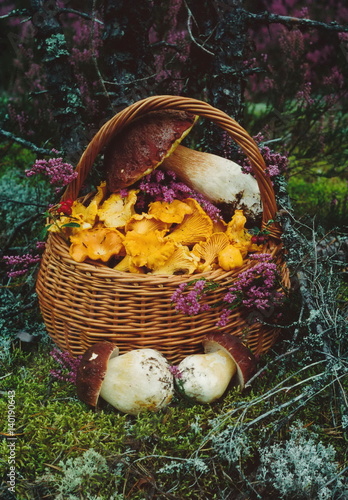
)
(280, 68)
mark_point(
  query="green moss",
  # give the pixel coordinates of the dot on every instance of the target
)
(322, 198)
(159, 452)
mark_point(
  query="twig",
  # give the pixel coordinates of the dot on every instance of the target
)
(81, 14)
(15, 13)
(25, 143)
(95, 62)
(189, 19)
(290, 21)
(264, 368)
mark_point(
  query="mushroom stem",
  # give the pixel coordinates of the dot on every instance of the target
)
(219, 179)
(205, 377)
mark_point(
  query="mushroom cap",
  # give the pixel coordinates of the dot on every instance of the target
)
(230, 257)
(150, 250)
(126, 265)
(143, 223)
(239, 352)
(171, 212)
(99, 243)
(196, 226)
(92, 370)
(117, 210)
(208, 250)
(182, 261)
(143, 145)
(237, 234)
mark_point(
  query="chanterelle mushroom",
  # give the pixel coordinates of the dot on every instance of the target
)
(137, 381)
(205, 377)
(143, 145)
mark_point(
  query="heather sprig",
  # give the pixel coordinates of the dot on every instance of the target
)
(68, 366)
(256, 290)
(20, 264)
(276, 163)
(58, 172)
(163, 185)
(189, 303)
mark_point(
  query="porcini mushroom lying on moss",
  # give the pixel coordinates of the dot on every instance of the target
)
(219, 179)
(205, 377)
(137, 381)
(143, 145)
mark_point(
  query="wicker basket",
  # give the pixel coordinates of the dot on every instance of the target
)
(83, 303)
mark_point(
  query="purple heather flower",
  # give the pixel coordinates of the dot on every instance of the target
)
(175, 371)
(188, 303)
(163, 186)
(255, 290)
(68, 366)
(58, 172)
(21, 261)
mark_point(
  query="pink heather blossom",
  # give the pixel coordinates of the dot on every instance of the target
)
(58, 172)
(68, 366)
(276, 163)
(22, 261)
(255, 290)
(175, 371)
(40, 245)
(163, 186)
(188, 303)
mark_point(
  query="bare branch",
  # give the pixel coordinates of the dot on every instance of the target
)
(290, 21)
(189, 21)
(80, 14)
(24, 143)
(15, 13)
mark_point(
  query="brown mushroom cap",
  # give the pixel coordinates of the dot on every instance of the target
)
(143, 145)
(239, 352)
(92, 370)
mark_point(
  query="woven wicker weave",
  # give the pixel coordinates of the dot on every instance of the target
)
(83, 303)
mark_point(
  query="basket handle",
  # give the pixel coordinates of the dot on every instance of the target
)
(196, 107)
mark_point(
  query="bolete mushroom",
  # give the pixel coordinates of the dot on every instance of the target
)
(137, 381)
(205, 377)
(219, 179)
(142, 146)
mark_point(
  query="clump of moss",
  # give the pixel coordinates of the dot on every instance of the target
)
(171, 451)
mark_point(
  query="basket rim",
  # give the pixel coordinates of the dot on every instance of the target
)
(194, 106)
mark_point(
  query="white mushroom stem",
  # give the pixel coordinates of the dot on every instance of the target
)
(205, 377)
(137, 381)
(219, 179)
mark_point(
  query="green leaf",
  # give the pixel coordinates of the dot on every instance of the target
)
(71, 224)
(44, 231)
